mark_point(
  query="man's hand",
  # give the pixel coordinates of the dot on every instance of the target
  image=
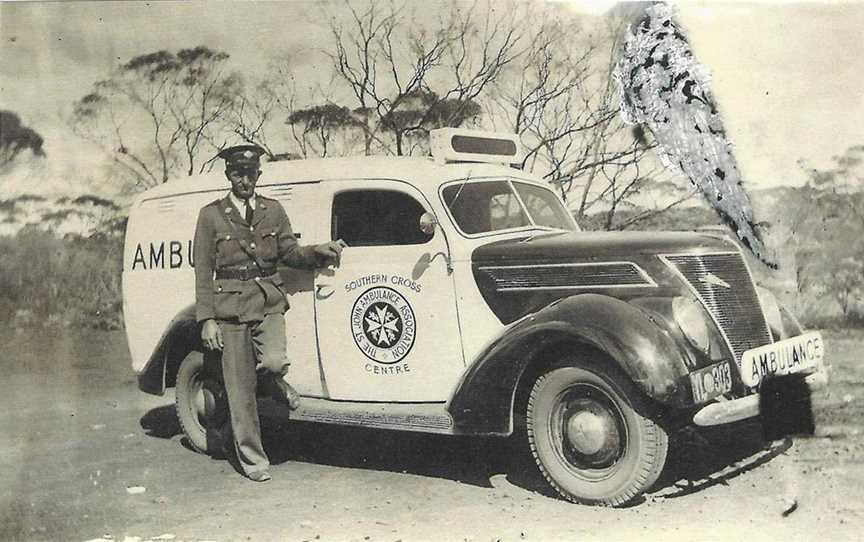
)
(211, 335)
(330, 253)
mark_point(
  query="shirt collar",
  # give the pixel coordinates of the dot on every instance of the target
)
(239, 204)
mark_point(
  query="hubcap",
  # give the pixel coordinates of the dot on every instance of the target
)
(590, 429)
(208, 403)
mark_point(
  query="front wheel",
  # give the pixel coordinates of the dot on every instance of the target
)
(202, 405)
(589, 438)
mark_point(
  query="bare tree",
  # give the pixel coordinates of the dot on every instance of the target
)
(826, 216)
(253, 113)
(261, 110)
(320, 124)
(841, 185)
(159, 113)
(406, 78)
(560, 98)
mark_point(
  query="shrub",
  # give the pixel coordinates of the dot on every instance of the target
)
(73, 281)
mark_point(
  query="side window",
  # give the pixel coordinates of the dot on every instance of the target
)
(505, 212)
(484, 206)
(365, 218)
(544, 207)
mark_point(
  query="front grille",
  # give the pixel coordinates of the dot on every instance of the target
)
(567, 276)
(723, 284)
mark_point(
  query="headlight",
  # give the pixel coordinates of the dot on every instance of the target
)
(772, 312)
(691, 318)
(782, 323)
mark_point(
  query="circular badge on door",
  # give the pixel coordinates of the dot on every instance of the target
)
(383, 325)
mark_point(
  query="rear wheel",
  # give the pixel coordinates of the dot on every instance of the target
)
(589, 438)
(202, 405)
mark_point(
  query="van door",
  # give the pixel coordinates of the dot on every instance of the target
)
(308, 219)
(387, 320)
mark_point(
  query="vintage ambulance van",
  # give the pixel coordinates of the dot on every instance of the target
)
(468, 302)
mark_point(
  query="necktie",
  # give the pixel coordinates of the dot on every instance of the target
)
(248, 212)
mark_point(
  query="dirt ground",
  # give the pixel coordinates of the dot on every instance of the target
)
(84, 455)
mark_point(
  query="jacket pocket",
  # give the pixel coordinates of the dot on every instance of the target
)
(269, 245)
(226, 299)
(276, 300)
(225, 245)
(222, 237)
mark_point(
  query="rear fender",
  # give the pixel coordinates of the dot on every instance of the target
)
(483, 403)
(181, 337)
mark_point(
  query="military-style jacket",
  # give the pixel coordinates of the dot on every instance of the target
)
(218, 245)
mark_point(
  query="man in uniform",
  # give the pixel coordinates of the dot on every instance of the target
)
(240, 299)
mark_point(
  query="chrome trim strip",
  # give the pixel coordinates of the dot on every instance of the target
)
(648, 281)
(423, 417)
(223, 190)
(591, 287)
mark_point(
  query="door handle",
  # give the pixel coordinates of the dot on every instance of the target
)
(323, 291)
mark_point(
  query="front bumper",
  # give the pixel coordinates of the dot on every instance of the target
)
(748, 407)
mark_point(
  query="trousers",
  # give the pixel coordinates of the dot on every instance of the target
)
(251, 348)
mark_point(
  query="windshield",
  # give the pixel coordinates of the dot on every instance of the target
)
(486, 206)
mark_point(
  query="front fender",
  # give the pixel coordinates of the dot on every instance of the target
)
(181, 337)
(484, 400)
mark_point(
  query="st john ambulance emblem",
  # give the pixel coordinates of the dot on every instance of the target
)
(383, 325)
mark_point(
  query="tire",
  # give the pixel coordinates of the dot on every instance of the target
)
(588, 437)
(202, 405)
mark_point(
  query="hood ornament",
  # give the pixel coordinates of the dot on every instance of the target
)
(714, 280)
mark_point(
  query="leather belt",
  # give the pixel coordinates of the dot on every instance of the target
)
(244, 273)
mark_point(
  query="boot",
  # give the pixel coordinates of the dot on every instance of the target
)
(284, 393)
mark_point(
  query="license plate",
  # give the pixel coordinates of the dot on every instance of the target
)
(711, 381)
(793, 355)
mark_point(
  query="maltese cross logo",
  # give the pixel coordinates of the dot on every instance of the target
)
(383, 326)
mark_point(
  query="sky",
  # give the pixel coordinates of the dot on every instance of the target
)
(788, 77)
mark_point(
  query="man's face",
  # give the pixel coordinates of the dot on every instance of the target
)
(243, 181)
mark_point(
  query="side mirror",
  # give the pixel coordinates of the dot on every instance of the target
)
(428, 223)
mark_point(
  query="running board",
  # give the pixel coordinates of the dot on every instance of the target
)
(424, 417)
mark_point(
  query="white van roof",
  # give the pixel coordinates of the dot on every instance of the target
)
(425, 173)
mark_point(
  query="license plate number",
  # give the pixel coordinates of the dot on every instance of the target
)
(783, 357)
(711, 382)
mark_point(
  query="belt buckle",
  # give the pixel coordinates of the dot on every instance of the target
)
(244, 273)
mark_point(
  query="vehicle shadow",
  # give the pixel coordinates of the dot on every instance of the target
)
(467, 460)
(161, 422)
(698, 459)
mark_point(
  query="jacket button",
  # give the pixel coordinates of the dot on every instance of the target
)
(257, 279)
(252, 246)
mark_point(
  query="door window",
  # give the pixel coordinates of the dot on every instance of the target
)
(365, 218)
